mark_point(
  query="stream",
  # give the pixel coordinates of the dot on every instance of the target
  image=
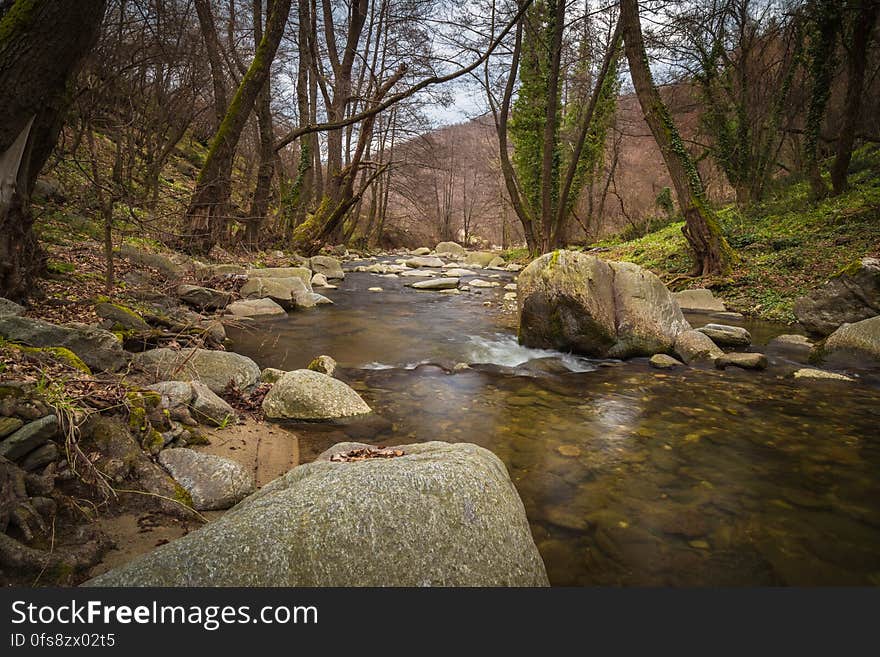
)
(629, 475)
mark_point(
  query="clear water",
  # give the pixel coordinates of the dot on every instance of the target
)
(629, 476)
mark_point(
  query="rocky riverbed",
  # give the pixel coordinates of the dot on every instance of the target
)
(677, 470)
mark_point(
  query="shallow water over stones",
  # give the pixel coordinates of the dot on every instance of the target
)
(629, 475)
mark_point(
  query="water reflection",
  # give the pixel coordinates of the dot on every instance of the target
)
(629, 476)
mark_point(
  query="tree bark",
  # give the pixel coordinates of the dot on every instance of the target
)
(215, 59)
(266, 169)
(207, 212)
(42, 44)
(864, 15)
(711, 252)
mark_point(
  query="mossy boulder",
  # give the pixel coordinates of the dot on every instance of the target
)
(852, 295)
(571, 301)
(213, 482)
(441, 515)
(122, 317)
(213, 368)
(59, 354)
(97, 348)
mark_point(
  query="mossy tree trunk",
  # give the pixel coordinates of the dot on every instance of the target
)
(862, 19)
(208, 207)
(266, 171)
(711, 252)
(42, 43)
(825, 22)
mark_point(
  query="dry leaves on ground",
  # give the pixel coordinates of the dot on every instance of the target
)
(365, 453)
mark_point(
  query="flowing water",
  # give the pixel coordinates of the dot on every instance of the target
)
(629, 475)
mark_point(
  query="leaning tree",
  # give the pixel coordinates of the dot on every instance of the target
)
(42, 43)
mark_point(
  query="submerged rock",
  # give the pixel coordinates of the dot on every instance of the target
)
(436, 284)
(747, 361)
(310, 395)
(576, 302)
(727, 336)
(441, 515)
(213, 368)
(850, 296)
(812, 373)
(664, 362)
(212, 481)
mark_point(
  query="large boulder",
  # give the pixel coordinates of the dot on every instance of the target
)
(326, 265)
(854, 346)
(699, 299)
(441, 515)
(850, 296)
(576, 302)
(450, 249)
(282, 291)
(303, 273)
(213, 368)
(99, 349)
(310, 395)
(212, 481)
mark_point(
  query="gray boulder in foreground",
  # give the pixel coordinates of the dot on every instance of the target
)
(441, 515)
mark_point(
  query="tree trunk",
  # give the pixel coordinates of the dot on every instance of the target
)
(266, 169)
(42, 43)
(206, 215)
(863, 19)
(550, 146)
(822, 65)
(215, 59)
(712, 254)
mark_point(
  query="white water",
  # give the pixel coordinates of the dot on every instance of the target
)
(499, 349)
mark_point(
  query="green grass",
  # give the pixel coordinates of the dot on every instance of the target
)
(787, 244)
